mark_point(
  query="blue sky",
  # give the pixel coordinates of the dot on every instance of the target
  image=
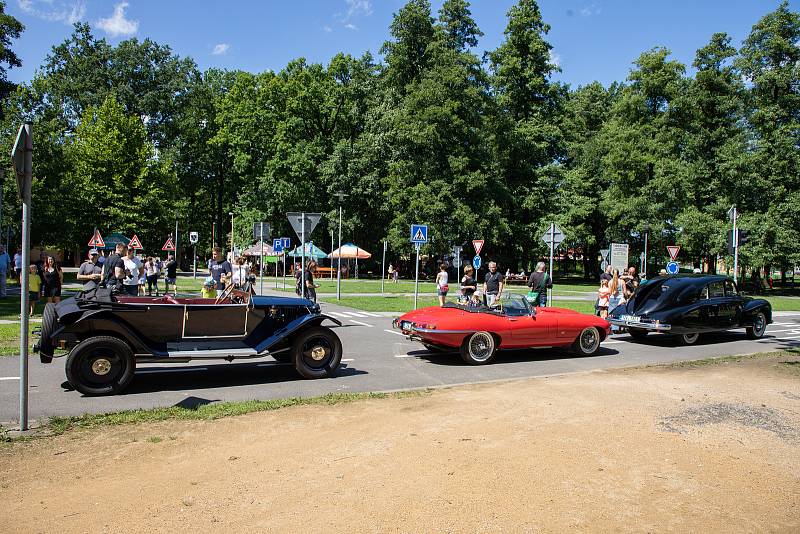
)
(592, 39)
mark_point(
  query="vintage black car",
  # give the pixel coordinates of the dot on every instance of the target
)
(107, 335)
(689, 305)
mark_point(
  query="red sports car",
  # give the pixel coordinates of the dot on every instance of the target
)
(478, 332)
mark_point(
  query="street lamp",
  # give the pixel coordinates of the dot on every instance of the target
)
(341, 197)
(230, 213)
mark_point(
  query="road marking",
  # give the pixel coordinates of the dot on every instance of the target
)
(395, 333)
(783, 324)
(787, 330)
(9, 378)
(337, 314)
(353, 314)
(372, 314)
(362, 324)
(405, 356)
(612, 342)
(347, 360)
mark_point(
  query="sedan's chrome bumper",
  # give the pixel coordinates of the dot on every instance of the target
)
(644, 325)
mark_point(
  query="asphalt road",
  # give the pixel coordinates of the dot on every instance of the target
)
(376, 358)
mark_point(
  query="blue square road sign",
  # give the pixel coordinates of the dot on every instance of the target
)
(419, 233)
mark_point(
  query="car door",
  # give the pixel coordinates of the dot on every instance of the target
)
(215, 321)
(528, 328)
(730, 310)
(715, 306)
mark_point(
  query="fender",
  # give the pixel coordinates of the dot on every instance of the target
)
(751, 307)
(306, 321)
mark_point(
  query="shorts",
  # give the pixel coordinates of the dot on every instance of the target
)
(170, 281)
(440, 292)
(51, 292)
(33, 296)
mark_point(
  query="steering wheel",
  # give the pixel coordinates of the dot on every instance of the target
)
(225, 294)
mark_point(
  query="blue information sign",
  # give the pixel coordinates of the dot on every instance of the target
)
(277, 245)
(476, 262)
(419, 233)
(286, 242)
(672, 267)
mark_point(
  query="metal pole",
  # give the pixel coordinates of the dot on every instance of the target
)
(303, 257)
(26, 261)
(284, 268)
(261, 265)
(339, 257)
(176, 238)
(416, 276)
(735, 238)
(552, 242)
(194, 260)
(645, 255)
(2, 180)
(383, 267)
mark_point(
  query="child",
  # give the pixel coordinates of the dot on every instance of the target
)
(34, 287)
(476, 301)
(209, 290)
(602, 298)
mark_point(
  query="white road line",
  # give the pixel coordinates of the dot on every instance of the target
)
(347, 359)
(354, 314)
(395, 333)
(612, 342)
(9, 378)
(404, 356)
(362, 324)
(787, 330)
(371, 314)
(782, 324)
(337, 314)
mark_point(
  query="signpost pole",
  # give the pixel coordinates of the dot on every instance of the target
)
(416, 276)
(552, 242)
(26, 261)
(261, 265)
(383, 268)
(644, 271)
(194, 260)
(339, 257)
(284, 269)
(303, 258)
(735, 249)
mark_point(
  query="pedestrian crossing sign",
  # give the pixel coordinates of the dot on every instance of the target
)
(419, 233)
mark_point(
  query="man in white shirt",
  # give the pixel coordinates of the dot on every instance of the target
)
(133, 268)
(18, 262)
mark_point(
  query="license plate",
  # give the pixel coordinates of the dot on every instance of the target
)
(631, 318)
(405, 325)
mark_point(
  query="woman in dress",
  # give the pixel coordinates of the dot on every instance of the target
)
(53, 278)
(441, 284)
(151, 270)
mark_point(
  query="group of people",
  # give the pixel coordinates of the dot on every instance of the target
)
(127, 272)
(493, 284)
(615, 289)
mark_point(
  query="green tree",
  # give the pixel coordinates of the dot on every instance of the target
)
(10, 29)
(407, 53)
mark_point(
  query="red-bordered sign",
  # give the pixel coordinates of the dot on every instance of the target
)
(169, 245)
(97, 240)
(673, 251)
(478, 244)
(135, 243)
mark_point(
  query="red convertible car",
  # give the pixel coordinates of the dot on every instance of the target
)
(512, 324)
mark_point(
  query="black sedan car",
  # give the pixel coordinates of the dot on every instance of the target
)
(107, 335)
(690, 305)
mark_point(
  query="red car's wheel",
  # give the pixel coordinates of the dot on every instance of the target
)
(588, 342)
(479, 348)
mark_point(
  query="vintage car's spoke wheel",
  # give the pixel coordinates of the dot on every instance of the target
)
(688, 339)
(588, 341)
(317, 352)
(49, 319)
(479, 348)
(759, 326)
(100, 366)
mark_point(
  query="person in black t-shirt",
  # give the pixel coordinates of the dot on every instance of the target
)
(220, 269)
(172, 274)
(493, 284)
(114, 267)
(468, 284)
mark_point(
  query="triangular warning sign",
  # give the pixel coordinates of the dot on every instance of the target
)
(97, 240)
(673, 251)
(169, 245)
(419, 236)
(135, 243)
(478, 244)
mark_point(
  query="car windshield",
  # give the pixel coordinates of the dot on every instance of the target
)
(514, 305)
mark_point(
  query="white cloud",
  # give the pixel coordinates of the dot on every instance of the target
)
(555, 59)
(327, 29)
(358, 8)
(590, 10)
(351, 27)
(66, 11)
(117, 25)
(221, 49)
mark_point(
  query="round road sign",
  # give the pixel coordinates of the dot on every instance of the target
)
(672, 267)
(476, 262)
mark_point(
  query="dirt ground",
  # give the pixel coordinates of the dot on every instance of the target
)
(711, 448)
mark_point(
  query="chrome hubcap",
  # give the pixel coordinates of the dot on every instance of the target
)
(318, 353)
(589, 340)
(691, 338)
(760, 324)
(481, 346)
(101, 366)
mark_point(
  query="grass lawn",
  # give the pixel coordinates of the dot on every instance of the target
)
(9, 338)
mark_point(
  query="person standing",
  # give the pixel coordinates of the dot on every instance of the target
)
(89, 272)
(151, 270)
(538, 283)
(390, 276)
(5, 261)
(171, 278)
(602, 298)
(240, 272)
(53, 278)
(34, 288)
(493, 284)
(220, 269)
(308, 279)
(114, 268)
(441, 284)
(607, 274)
(18, 263)
(133, 269)
(468, 284)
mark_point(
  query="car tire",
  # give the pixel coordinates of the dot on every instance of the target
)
(588, 342)
(100, 365)
(317, 352)
(638, 334)
(688, 339)
(49, 319)
(478, 348)
(759, 326)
